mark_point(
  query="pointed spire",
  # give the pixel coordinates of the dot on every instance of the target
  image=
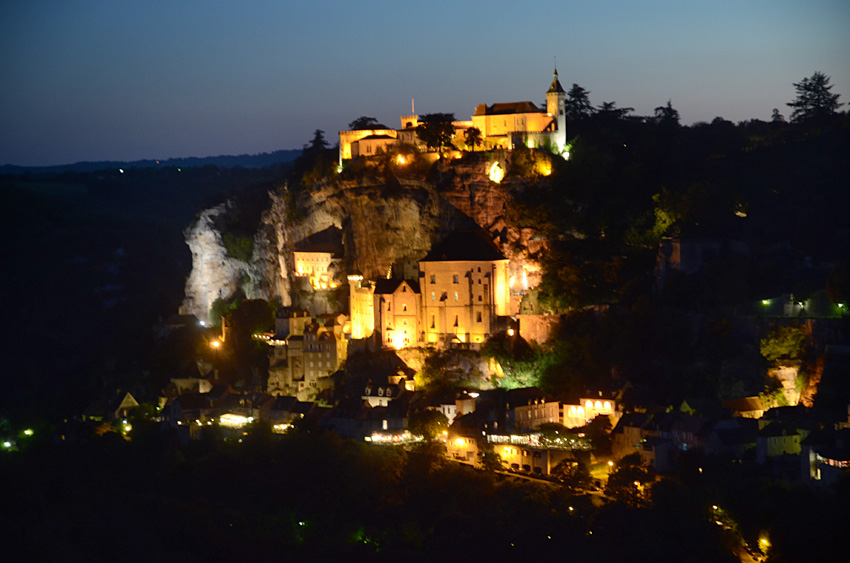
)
(556, 85)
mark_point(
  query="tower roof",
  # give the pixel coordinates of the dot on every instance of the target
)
(556, 85)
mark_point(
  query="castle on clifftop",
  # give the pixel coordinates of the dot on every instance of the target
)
(502, 126)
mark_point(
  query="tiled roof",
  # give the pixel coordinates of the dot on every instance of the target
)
(744, 405)
(328, 240)
(464, 246)
(387, 287)
(508, 108)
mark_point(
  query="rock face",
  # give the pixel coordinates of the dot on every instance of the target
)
(214, 274)
(386, 229)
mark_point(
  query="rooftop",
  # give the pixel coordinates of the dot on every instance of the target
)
(463, 246)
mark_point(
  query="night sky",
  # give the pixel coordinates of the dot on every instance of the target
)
(127, 80)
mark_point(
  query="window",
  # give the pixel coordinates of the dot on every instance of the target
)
(433, 296)
(455, 296)
(404, 289)
(389, 306)
(479, 269)
(432, 321)
(404, 308)
(479, 298)
(455, 320)
(478, 316)
(433, 278)
(455, 279)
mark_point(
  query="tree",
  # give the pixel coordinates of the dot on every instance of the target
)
(473, 138)
(667, 115)
(814, 99)
(777, 117)
(628, 481)
(364, 122)
(577, 104)
(436, 130)
(427, 423)
(783, 343)
(572, 473)
(489, 459)
(609, 110)
(317, 145)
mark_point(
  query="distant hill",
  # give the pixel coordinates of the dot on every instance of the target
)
(243, 160)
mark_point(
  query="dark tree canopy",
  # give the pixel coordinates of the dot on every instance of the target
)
(610, 110)
(473, 137)
(364, 122)
(578, 104)
(667, 115)
(814, 98)
(436, 130)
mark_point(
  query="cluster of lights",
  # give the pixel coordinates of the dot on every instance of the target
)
(235, 420)
(392, 439)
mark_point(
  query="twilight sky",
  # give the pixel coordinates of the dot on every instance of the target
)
(127, 80)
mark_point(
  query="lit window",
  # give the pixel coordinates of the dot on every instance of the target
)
(433, 296)
(455, 295)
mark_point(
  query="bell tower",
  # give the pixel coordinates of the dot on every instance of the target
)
(555, 98)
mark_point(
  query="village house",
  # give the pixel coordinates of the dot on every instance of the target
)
(303, 352)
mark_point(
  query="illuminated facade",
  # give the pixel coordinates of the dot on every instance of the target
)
(315, 266)
(348, 141)
(317, 256)
(587, 410)
(362, 306)
(541, 411)
(396, 303)
(303, 352)
(465, 286)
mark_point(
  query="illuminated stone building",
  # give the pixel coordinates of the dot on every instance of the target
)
(317, 256)
(502, 125)
(362, 306)
(587, 409)
(464, 283)
(303, 352)
(462, 289)
(396, 303)
(349, 141)
(541, 411)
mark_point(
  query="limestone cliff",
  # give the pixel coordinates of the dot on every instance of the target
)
(387, 227)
